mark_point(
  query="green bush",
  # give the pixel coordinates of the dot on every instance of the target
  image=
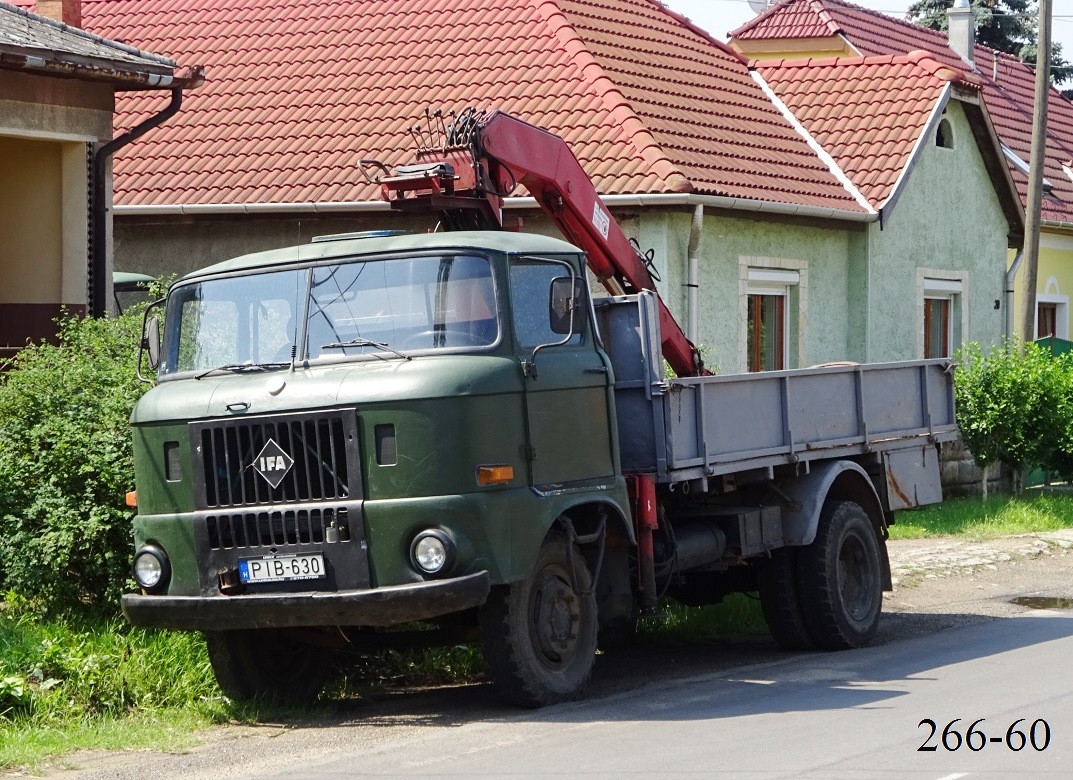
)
(66, 464)
(1015, 406)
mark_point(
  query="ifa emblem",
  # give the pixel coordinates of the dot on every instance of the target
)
(272, 463)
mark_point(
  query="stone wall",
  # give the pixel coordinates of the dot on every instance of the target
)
(962, 477)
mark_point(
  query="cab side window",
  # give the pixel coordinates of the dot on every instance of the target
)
(531, 298)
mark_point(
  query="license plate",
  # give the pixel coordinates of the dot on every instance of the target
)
(282, 568)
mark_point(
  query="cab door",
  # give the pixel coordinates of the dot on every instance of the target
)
(566, 378)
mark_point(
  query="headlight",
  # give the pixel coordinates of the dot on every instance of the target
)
(150, 567)
(432, 552)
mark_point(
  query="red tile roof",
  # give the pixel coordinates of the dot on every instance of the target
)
(1008, 84)
(868, 113)
(299, 90)
(789, 19)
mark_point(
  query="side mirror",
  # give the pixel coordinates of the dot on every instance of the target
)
(151, 341)
(149, 346)
(564, 303)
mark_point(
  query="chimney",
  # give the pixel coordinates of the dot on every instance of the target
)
(962, 30)
(67, 11)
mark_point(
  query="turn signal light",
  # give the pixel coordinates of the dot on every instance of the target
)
(494, 475)
(132, 498)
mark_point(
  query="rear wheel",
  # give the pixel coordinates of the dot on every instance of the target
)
(540, 634)
(840, 578)
(270, 665)
(780, 600)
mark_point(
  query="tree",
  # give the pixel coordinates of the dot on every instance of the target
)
(1009, 26)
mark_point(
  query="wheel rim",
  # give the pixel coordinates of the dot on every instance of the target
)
(857, 578)
(554, 619)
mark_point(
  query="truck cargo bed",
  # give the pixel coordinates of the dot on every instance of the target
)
(698, 427)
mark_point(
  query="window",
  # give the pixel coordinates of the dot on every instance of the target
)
(767, 331)
(942, 316)
(771, 296)
(936, 327)
(410, 304)
(1047, 320)
(530, 289)
(772, 313)
(1052, 312)
(231, 320)
(944, 135)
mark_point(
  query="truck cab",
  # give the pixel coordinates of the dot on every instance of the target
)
(366, 431)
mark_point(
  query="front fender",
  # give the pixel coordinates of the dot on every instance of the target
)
(543, 509)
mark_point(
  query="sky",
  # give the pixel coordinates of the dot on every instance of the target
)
(718, 17)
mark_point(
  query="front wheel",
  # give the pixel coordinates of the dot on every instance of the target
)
(840, 578)
(540, 634)
(266, 664)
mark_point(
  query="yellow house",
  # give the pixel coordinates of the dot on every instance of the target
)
(57, 98)
(796, 29)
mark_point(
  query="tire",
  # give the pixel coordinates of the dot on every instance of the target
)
(540, 634)
(267, 665)
(840, 578)
(780, 600)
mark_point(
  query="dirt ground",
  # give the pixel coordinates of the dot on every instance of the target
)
(941, 583)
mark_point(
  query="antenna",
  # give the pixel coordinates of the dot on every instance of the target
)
(759, 6)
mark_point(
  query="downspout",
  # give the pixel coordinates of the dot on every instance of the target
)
(1009, 291)
(693, 283)
(98, 299)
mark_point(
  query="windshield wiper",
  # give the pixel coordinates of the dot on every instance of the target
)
(364, 342)
(239, 367)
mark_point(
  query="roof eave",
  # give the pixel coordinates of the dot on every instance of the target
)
(653, 200)
(115, 73)
(990, 146)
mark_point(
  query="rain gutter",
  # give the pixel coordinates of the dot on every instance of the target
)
(1008, 292)
(368, 206)
(98, 250)
(99, 70)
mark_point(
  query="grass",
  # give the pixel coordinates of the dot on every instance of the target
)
(87, 682)
(95, 683)
(999, 516)
(30, 746)
(738, 614)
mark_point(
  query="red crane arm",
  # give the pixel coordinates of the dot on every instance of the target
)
(504, 151)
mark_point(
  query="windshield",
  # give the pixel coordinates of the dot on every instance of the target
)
(387, 308)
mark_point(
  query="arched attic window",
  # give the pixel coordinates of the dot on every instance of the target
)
(944, 135)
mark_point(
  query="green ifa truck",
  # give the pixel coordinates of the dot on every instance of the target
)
(377, 431)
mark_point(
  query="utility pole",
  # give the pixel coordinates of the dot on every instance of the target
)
(1035, 173)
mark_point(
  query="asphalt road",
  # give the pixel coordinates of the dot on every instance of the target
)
(952, 646)
(833, 716)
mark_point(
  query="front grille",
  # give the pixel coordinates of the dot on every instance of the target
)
(323, 445)
(277, 529)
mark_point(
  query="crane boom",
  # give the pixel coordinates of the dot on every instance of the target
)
(483, 157)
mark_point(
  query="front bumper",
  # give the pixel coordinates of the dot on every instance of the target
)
(376, 607)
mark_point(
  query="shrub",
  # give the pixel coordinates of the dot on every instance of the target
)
(1016, 406)
(66, 464)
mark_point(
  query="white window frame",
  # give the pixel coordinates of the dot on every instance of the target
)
(1061, 325)
(1062, 302)
(773, 276)
(953, 286)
